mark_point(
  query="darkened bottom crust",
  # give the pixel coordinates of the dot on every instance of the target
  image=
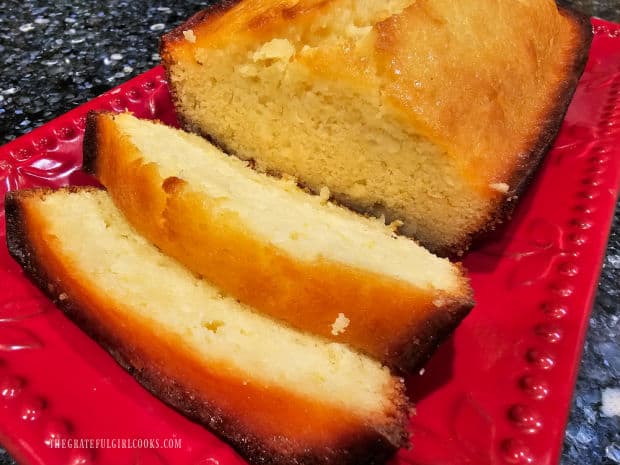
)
(429, 335)
(367, 448)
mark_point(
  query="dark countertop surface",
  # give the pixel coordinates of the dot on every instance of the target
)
(57, 55)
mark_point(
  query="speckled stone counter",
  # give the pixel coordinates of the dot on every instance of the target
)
(57, 55)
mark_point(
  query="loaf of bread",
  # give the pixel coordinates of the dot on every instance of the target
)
(435, 113)
(296, 257)
(280, 397)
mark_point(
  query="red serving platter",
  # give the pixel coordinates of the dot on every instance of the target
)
(498, 392)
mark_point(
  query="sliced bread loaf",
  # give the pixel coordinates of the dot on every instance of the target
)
(279, 396)
(432, 112)
(319, 267)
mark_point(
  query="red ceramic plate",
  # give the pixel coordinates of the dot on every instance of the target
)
(497, 392)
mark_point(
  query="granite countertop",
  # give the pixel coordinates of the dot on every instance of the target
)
(57, 55)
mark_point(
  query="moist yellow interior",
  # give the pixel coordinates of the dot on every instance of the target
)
(97, 243)
(277, 114)
(277, 212)
(300, 103)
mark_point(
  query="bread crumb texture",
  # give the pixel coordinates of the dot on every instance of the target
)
(500, 187)
(189, 35)
(340, 325)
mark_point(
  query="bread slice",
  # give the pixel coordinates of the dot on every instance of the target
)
(277, 395)
(434, 113)
(296, 257)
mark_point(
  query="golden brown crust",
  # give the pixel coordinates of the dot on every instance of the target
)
(395, 322)
(524, 174)
(559, 104)
(266, 425)
(505, 79)
(517, 144)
